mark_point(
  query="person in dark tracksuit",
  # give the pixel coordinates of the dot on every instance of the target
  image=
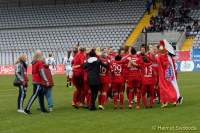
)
(92, 67)
(38, 76)
(21, 80)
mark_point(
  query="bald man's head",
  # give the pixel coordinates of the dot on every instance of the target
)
(38, 52)
(38, 55)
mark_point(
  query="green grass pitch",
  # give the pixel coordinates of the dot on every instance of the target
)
(65, 119)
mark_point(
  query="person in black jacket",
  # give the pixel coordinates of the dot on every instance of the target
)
(92, 66)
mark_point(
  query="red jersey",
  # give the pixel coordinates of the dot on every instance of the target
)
(117, 71)
(125, 64)
(49, 77)
(36, 67)
(148, 76)
(153, 59)
(105, 71)
(134, 72)
(79, 59)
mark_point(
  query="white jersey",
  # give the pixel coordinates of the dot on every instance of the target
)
(50, 61)
(68, 65)
(52, 64)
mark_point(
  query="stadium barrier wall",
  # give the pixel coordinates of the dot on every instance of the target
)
(186, 62)
(181, 66)
(188, 66)
(10, 69)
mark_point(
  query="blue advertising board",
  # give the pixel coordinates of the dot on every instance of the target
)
(188, 66)
(196, 53)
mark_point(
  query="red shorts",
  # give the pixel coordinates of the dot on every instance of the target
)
(105, 80)
(117, 87)
(134, 84)
(78, 81)
(148, 81)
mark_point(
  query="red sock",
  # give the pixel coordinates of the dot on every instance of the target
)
(138, 98)
(151, 100)
(130, 97)
(115, 99)
(103, 99)
(75, 97)
(144, 100)
(121, 99)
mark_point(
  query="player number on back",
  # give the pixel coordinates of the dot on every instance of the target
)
(148, 70)
(102, 70)
(117, 69)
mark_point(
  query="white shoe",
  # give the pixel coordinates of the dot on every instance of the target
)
(50, 109)
(101, 107)
(21, 111)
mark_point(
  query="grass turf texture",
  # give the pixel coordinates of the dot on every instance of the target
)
(66, 119)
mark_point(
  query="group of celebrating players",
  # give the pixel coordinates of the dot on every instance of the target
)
(124, 71)
(143, 75)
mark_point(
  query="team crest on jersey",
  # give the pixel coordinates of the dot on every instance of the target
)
(169, 73)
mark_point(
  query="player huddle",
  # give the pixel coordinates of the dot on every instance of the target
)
(116, 73)
(141, 75)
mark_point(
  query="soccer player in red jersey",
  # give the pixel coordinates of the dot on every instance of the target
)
(152, 55)
(111, 54)
(140, 55)
(148, 81)
(78, 76)
(105, 79)
(133, 76)
(117, 81)
(124, 52)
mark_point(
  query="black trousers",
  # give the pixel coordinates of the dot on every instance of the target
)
(21, 97)
(38, 91)
(94, 92)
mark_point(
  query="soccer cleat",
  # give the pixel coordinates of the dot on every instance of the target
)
(81, 105)
(70, 84)
(27, 112)
(50, 109)
(122, 107)
(164, 105)
(180, 100)
(101, 107)
(73, 103)
(137, 107)
(130, 106)
(92, 108)
(115, 107)
(76, 106)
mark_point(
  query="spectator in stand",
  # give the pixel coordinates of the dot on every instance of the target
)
(195, 26)
(154, 4)
(148, 6)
